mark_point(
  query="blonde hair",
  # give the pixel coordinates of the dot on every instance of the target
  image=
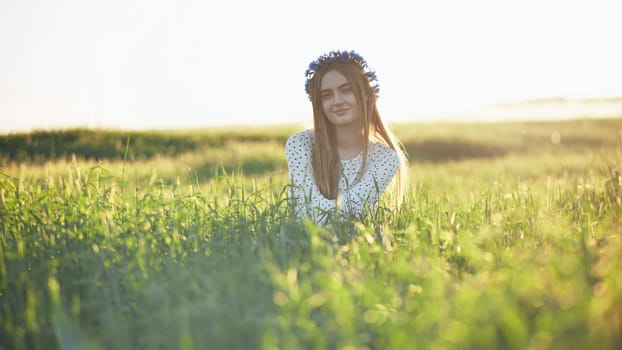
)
(325, 159)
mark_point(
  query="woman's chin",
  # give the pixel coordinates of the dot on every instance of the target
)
(343, 120)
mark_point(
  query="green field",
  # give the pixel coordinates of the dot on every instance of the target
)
(509, 238)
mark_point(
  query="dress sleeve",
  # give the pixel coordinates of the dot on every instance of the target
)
(381, 168)
(304, 194)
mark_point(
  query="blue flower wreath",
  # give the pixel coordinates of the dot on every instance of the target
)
(341, 56)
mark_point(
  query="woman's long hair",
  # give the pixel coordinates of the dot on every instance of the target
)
(325, 159)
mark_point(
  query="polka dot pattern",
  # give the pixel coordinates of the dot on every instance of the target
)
(354, 198)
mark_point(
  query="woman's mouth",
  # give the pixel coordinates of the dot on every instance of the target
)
(341, 112)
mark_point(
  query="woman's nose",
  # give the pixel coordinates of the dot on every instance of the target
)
(338, 98)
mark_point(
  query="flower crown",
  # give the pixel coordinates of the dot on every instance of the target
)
(341, 56)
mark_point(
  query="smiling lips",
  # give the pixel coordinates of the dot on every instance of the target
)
(342, 111)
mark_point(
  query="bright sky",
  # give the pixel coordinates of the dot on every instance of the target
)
(166, 63)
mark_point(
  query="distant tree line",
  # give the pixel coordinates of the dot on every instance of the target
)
(456, 142)
(104, 144)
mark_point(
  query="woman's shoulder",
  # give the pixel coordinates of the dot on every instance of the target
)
(301, 138)
(299, 145)
(383, 151)
(384, 155)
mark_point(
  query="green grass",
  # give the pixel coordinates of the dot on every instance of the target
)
(198, 249)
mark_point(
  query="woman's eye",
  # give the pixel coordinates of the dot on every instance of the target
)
(326, 96)
(346, 89)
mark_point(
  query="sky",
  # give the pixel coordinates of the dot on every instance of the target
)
(186, 64)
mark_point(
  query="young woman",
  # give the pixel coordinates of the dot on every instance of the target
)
(343, 165)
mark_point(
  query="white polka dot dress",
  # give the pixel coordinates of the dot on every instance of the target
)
(354, 198)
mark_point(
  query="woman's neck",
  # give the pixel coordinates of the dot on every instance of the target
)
(349, 142)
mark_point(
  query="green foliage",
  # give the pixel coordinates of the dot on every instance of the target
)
(423, 142)
(40, 146)
(520, 250)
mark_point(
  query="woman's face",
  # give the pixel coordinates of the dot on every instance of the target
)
(338, 99)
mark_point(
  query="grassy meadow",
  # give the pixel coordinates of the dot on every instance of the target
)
(510, 237)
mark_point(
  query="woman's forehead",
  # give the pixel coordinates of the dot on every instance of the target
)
(333, 79)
